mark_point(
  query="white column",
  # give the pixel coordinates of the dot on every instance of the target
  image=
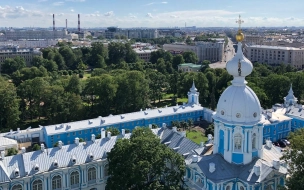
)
(250, 144)
(246, 141)
(231, 141)
(226, 139)
(216, 134)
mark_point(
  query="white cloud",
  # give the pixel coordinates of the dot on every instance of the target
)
(149, 15)
(72, 10)
(154, 3)
(173, 16)
(42, 1)
(60, 3)
(110, 13)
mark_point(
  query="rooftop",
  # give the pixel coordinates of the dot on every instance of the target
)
(274, 47)
(117, 119)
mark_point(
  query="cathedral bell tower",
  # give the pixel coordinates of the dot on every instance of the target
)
(238, 127)
(193, 95)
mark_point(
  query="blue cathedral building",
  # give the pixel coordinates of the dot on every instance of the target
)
(240, 156)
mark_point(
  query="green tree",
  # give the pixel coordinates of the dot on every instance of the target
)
(74, 85)
(68, 56)
(114, 131)
(177, 60)
(190, 57)
(9, 105)
(144, 163)
(295, 160)
(11, 65)
(36, 147)
(11, 152)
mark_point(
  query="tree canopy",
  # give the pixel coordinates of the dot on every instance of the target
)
(295, 159)
(142, 162)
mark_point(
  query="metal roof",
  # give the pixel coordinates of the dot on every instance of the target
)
(123, 118)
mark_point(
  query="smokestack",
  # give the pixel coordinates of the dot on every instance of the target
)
(78, 22)
(53, 22)
(66, 24)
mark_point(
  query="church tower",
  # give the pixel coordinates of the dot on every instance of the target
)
(193, 95)
(238, 126)
(290, 99)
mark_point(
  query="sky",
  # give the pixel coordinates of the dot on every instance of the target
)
(151, 13)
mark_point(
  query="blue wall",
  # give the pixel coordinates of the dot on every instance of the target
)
(69, 137)
(237, 158)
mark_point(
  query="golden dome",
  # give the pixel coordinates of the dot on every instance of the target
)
(239, 36)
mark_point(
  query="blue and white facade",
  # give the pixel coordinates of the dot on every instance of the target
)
(240, 161)
(67, 132)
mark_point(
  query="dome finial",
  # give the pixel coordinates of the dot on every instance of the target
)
(193, 88)
(239, 36)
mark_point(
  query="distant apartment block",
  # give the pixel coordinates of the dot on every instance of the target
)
(14, 51)
(113, 32)
(212, 51)
(18, 34)
(189, 67)
(30, 43)
(144, 54)
(254, 39)
(275, 55)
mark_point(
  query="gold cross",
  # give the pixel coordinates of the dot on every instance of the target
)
(240, 21)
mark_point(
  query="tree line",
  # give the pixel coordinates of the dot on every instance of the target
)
(56, 88)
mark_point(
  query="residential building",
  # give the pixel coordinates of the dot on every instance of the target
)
(112, 32)
(254, 39)
(144, 54)
(30, 43)
(275, 55)
(189, 67)
(18, 34)
(212, 51)
(14, 51)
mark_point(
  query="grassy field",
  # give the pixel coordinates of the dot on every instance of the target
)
(196, 136)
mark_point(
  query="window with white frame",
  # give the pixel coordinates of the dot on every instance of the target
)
(37, 185)
(228, 188)
(254, 141)
(74, 179)
(91, 174)
(238, 142)
(56, 182)
(17, 187)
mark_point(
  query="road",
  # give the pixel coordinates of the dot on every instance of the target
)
(228, 55)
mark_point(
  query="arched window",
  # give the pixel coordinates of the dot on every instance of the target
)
(105, 171)
(91, 174)
(238, 142)
(228, 188)
(56, 182)
(242, 188)
(37, 185)
(17, 187)
(74, 179)
(254, 141)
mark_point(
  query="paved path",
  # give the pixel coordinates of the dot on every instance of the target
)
(228, 55)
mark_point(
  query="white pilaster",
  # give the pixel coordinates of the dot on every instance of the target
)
(216, 138)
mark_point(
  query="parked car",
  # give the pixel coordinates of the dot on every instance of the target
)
(276, 144)
(282, 143)
(286, 142)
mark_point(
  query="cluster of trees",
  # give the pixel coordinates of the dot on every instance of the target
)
(142, 162)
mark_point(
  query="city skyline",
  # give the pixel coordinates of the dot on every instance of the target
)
(163, 13)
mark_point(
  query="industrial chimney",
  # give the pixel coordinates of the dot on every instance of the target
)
(53, 22)
(78, 22)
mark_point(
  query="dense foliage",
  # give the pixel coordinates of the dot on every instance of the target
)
(68, 84)
(295, 160)
(142, 162)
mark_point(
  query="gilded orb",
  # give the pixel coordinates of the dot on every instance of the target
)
(240, 36)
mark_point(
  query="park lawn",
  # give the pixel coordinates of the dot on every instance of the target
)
(196, 136)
